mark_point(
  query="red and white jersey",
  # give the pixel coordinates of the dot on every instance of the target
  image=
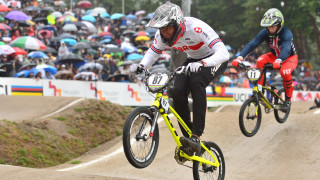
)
(199, 41)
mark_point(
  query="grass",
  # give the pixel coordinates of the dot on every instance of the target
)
(35, 144)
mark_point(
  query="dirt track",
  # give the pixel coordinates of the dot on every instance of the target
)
(278, 151)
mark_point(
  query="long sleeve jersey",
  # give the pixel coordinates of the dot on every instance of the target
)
(199, 41)
(281, 45)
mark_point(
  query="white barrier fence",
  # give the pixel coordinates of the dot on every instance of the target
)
(126, 94)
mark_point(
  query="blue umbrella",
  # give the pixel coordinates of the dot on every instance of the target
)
(116, 16)
(88, 11)
(43, 67)
(107, 37)
(131, 16)
(37, 54)
(88, 18)
(150, 15)
(71, 42)
(105, 41)
(48, 27)
(134, 56)
(105, 15)
(23, 72)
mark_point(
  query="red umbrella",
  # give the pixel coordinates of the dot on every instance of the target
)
(84, 4)
(142, 33)
(4, 8)
(4, 27)
(19, 51)
(45, 33)
(106, 33)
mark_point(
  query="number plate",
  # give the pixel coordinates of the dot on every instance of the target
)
(253, 74)
(157, 80)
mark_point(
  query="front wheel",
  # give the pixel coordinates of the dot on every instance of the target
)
(281, 116)
(140, 146)
(250, 117)
(205, 171)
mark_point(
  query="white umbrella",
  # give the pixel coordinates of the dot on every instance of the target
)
(70, 27)
(90, 26)
(90, 65)
(68, 13)
(6, 49)
(97, 10)
(86, 76)
(140, 12)
(57, 14)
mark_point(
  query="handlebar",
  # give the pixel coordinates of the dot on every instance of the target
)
(268, 66)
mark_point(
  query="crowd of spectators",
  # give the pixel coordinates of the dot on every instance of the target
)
(115, 42)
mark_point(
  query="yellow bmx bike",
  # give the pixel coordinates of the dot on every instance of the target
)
(271, 98)
(141, 133)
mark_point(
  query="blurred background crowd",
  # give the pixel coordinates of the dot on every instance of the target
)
(46, 40)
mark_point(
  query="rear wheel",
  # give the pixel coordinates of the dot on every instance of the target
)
(205, 171)
(140, 147)
(281, 116)
(250, 117)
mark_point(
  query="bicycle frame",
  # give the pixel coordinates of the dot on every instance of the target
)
(158, 108)
(260, 96)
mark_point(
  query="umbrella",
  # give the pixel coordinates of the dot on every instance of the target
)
(82, 33)
(31, 8)
(90, 65)
(134, 56)
(142, 38)
(67, 35)
(19, 51)
(144, 48)
(106, 33)
(43, 67)
(233, 71)
(84, 4)
(97, 10)
(17, 15)
(41, 19)
(150, 15)
(59, 3)
(88, 18)
(70, 27)
(81, 45)
(2, 43)
(68, 13)
(4, 8)
(47, 8)
(6, 49)
(225, 79)
(88, 76)
(116, 16)
(57, 14)
(141, 33)
(38, 54)
(69, 42)
(125, 63)
(24, 73)
(105, 41)
(131, 17)
(44, 33)
(105, 15)
(140, 12)
(62, 72)
(129, 48)
(24, 23)
(28, 42)
(4, 27)
(151, 31)
(50, 50)
(90, 26)
(113, 50)
(305, 79)
(67, 18)
(70, 58)
(94, 44)
(128, 32)
(48, 27)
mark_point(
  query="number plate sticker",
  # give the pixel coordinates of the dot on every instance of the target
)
(253, 74)
(157, 80)
(164, 104)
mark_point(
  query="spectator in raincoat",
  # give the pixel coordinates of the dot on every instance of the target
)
(63, 49)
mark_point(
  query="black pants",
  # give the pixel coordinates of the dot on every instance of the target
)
(195, 83)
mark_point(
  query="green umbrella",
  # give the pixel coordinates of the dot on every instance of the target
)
(2, 19)
(2, 43)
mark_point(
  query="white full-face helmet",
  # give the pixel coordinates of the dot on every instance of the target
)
(168, 14)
